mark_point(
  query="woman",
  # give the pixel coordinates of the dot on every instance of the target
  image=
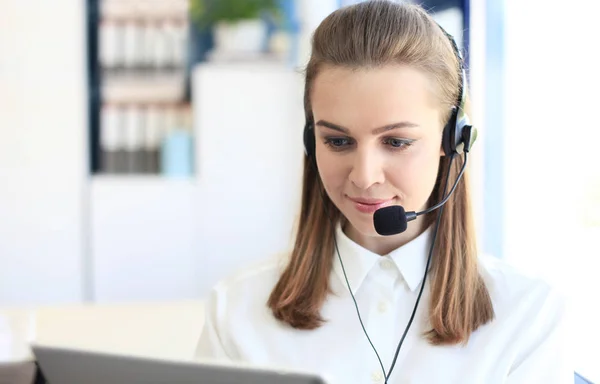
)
(384, 103)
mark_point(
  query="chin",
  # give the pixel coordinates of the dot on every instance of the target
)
(363, 225)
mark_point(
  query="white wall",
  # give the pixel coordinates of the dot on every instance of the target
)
(477, 88)
(42, 142)
(551, 130)
(552, 136)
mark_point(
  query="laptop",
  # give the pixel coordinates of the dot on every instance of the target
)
(71, 366)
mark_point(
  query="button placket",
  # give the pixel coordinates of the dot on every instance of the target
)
(387, 278)
(377, 376)
(387, 264)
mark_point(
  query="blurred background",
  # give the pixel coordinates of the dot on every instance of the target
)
(149, 148)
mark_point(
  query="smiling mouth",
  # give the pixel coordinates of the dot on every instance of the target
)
(368, 205)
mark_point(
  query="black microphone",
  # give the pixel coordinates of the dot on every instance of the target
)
(394, 219)
(391, 220)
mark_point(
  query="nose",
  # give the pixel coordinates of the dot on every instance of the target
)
(367, 169)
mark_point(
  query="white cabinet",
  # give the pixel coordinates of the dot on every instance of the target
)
(142, 239)
(249, 121)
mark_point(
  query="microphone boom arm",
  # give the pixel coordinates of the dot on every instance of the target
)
(413, 215)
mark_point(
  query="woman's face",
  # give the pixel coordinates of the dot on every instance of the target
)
(378, 140)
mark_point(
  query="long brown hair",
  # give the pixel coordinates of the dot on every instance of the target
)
(373, 34)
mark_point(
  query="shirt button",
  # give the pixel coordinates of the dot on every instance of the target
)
(377, 377)
(387, 264)
(382, 307)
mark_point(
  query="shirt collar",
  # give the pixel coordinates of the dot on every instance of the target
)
(410, 259)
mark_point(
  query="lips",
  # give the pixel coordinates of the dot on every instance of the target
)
(369, 205)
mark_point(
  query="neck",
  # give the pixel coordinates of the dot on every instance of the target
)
(383, 245)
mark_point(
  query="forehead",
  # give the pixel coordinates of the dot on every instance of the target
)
(374, 96)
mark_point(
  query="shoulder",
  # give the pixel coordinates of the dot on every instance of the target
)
(531, 326)
(247, 286)
(527, 307)
(234, 307)
(510, 286)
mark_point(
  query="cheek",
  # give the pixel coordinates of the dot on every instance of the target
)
(414, 177)
(333, 170)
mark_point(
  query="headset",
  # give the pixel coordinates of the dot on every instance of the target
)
(457, 138)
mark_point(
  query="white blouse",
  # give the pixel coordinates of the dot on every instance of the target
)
(526, 343)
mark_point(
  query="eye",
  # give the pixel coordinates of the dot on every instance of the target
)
(338, 143)
(396, 143)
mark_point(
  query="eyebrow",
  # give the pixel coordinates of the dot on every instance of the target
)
(376, 131)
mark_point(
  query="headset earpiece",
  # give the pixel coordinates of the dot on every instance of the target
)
(459, 135)
(309, 139)
(449, 143)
